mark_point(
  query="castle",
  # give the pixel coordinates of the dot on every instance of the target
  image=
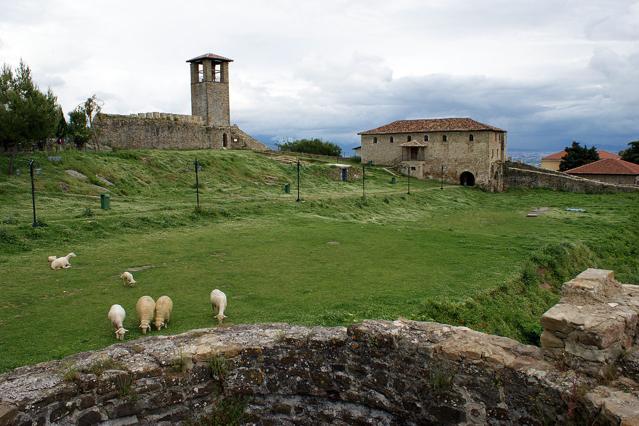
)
(459, 150)
(209, 126)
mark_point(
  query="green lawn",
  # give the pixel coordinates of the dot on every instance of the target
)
(332, 259)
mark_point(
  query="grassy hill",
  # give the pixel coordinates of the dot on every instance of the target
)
(457, 255)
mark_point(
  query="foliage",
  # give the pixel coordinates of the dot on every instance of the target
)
(312, 146)
(632, 153)
(27, 115)
(576, 156)
(80, 128)
(218, 366)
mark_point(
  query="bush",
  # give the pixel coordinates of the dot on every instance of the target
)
(312, 146)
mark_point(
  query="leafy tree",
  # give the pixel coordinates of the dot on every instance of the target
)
(27, 115)
(80, 128)
(312, 146)
(632, 153)
(576, 156)
(61, 129)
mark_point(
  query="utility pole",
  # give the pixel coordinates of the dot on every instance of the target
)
(408, 180)
(298, 180)
(197, 184)
(35, 221)
(442, 183)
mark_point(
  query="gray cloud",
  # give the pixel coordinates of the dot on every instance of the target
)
(546, 71)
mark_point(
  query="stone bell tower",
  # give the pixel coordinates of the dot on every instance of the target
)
(210, 89)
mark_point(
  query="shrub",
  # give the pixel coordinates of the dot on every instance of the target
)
(312, 146)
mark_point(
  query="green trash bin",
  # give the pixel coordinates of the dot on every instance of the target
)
(105, 201)
(287, 188)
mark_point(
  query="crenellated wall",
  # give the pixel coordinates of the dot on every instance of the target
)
(156, 130)
(376, 372)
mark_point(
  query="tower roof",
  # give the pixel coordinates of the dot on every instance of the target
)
(212, 56)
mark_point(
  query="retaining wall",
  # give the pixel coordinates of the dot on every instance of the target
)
(519, 175)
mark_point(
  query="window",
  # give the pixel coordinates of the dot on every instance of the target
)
(375, 139)
(471, 137)
(217, 73)
(409, 138)
(200, 73)
(391, 139)
(445, 138)
(425, 138)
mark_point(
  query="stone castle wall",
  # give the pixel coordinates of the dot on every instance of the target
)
(519, 175)
(168, 131)
(376, 372)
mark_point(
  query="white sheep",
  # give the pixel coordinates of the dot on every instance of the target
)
(218, 303)
(145, 309)
(116, 316)
(163, 309)
(127, 279)
(61, 262)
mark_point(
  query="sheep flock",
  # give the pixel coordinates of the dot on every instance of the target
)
(149, 312)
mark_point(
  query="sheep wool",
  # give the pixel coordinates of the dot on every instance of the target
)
(163, 309)
(117, 315)
(127, 279)
(218, 303)
(61, 262)
(145, 308)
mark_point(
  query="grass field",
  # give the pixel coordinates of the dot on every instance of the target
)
(459, 255)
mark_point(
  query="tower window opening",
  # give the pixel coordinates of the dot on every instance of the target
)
(200, 73)
(217, 73)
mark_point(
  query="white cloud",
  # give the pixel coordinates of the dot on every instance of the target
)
(547, 71)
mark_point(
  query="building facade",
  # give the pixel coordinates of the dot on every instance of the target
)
(459, 150)
(209, 126)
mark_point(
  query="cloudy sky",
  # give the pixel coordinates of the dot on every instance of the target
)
(548, 71)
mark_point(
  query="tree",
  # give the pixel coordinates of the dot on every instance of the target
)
(576, 156)
(27, 115)
(80, 127)
(632, 153)
(312, 146)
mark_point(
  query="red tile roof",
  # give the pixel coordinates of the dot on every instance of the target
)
(602, 155)
(607, 166)
(432, 125)
(213, 56)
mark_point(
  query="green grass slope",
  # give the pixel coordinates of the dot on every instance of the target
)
(459, 255)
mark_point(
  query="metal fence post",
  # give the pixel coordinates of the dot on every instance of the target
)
(35, 221)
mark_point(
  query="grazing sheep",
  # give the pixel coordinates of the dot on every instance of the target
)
(116, 316)
(218, 303)
(145, 309)
(163, 309)
(127, 279)
(61, 262)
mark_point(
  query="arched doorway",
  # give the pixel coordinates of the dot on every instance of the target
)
(467, 179)
(225, 141)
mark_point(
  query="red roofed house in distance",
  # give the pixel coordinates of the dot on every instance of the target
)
(610, 170)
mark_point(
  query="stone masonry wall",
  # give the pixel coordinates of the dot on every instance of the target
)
(518, 175)
(458, 154)
(168, 131)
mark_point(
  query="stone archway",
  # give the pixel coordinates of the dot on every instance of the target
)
(467, 179)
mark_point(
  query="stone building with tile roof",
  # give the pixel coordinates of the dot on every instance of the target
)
(609, 170)
(552, 161)
(460, 150)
